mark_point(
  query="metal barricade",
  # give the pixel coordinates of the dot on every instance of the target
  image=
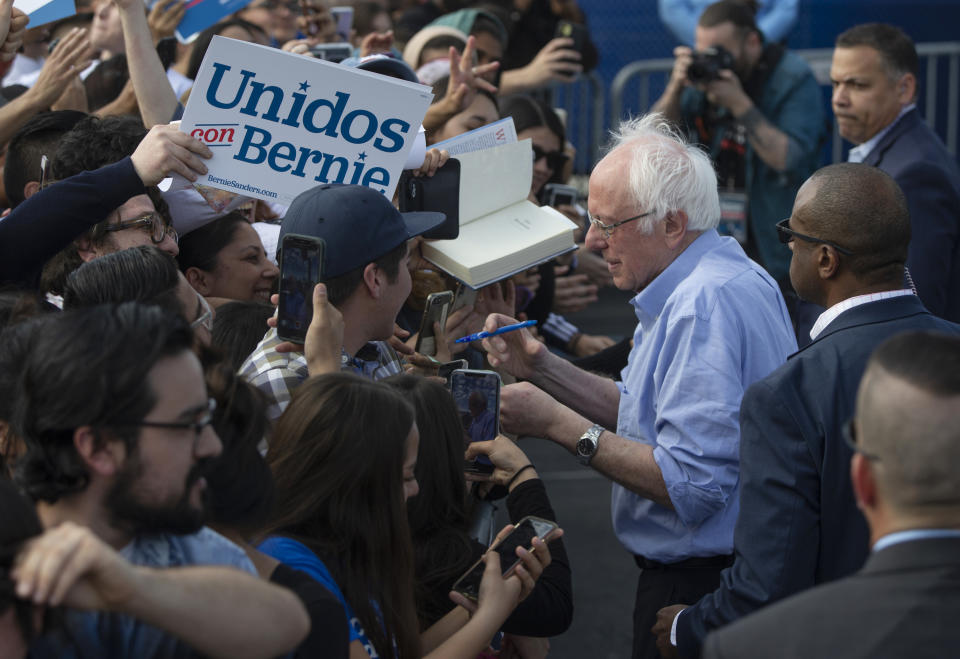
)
(932, 57)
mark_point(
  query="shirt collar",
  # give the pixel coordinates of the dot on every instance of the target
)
(914, 534)
(860, 153)
(831, 314)
(649, 302)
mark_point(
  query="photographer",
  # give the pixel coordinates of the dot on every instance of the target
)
(758, 110)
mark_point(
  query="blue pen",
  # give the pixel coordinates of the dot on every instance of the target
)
(502, 330)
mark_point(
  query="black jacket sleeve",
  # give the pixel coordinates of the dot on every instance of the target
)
(47, 222)
(548, 610)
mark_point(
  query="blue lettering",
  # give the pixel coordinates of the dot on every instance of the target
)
(328, 160)
(248, 137)
(385, 130)
(383, 177)
(336, 111)
(218, 71)
(256, 91)
(348, 124)
(275, 155)
(306, 154)
(294, 114)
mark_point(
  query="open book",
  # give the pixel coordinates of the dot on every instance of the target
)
(501, 233)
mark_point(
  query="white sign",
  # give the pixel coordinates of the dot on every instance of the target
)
(279, 124)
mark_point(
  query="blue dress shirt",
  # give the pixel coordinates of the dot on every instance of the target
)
(712, 323)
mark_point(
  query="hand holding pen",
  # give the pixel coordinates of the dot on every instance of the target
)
(516, 352)
(496, 332)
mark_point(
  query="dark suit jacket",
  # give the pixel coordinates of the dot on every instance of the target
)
(915, 157)
(799, 525)
(905, 602)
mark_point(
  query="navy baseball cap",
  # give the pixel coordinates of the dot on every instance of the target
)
(383, 64)
(357, 223)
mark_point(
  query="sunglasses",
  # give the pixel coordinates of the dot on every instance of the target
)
(152, 221)
(850, 439)
(786, 234)
(555, 159)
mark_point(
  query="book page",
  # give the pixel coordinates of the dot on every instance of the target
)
(485, 137)
(502, 242)
(492, 179)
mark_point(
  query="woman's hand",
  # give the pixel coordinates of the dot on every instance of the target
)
(508, 459)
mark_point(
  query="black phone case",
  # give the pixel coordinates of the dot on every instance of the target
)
(438, 193)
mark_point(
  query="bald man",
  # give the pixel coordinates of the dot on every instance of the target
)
(906, 441)
(849, 234)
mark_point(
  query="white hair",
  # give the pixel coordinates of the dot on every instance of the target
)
(667, 174)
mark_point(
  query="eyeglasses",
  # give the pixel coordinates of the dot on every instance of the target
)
(786, 234)
(555, 159)
(607, 229)
(850, 439)
(205, 319)
(196, 426)
(158, 228)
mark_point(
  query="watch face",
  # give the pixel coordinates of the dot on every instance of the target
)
(586, 446)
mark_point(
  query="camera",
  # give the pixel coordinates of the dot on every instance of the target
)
(708, 63)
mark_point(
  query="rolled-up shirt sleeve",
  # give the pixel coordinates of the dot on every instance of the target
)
(700, 386)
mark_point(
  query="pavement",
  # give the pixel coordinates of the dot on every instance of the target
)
(604, 574)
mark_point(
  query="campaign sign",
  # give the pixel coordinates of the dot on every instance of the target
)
(201, 14)
(42, 12)
(279, 123)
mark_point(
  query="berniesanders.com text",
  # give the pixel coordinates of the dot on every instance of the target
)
(241, 186)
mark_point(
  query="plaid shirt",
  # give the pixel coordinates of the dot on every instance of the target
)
(277, 374)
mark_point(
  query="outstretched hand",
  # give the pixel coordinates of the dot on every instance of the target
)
(68, 59)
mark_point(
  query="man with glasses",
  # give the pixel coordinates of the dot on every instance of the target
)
(114, 414)
(904, 601)
(711, 322)
(103, 200)
(799, 526)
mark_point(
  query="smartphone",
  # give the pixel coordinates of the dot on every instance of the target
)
(435, 311)
(344, 19)
(573, 31)
(466, 296)
(477, 394)
(522, 535)
(301, 269)
(558, 194)
(446, 370)
(332, 52)
(438, 193)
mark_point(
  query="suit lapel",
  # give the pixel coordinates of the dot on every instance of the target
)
(906, 123)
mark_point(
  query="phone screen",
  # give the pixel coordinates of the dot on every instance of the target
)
(477, 394)
(521, 536)
(300, 270)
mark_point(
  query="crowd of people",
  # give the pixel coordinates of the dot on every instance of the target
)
(178, 478)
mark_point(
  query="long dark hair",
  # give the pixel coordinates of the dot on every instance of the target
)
(336, 456)
(201, 247)
(442, 548)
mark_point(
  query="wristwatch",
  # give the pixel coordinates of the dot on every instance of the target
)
(587, 444)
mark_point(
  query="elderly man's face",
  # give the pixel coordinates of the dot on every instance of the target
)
(866, 98)
(634, 259)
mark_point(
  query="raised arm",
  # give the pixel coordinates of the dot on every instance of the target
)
(219, 611)
(155, 96)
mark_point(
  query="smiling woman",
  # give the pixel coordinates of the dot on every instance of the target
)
(226, 259)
